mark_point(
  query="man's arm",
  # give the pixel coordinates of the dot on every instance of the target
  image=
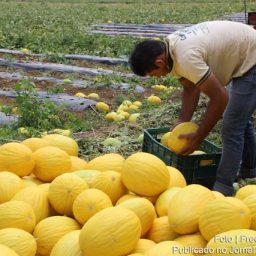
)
(190, 98)
(218, 99)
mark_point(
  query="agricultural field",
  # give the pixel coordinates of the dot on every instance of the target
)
(45, 31)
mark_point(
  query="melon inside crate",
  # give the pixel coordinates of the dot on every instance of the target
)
(191, 166)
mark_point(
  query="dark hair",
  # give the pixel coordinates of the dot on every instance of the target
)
(143, 56)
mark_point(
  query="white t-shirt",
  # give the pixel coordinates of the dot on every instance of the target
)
(226, 48)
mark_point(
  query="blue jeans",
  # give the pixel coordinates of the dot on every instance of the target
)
(239, 144)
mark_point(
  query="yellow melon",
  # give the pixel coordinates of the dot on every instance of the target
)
(38, 200)
(224, 214)
(77, 164)
(35, 143)
(245, 191)
(88, 203)
(164, 139)
(102, 106)
(65, 143)
(68, 245)
(16, 158)
(107, 162)
(167, 248)
(186, 207)
(145, 174)
(113, 231)
(50, 162)
(87, 175)
(218, 194)
(30, 181)
(145, 211)
(174, 142)
(126, 197)
(136, 254)
(48, 231)
(194, 241)
(63, 190)
(154, 99)
(45, 187)
(17, 214)
(176, 178)
(161, 230)
(250, 201)
(110, 182)
(10, 184)
(164, 199)
(6, 251)
(202, 162)
(22, 242)
(239, 242)
(143, 245)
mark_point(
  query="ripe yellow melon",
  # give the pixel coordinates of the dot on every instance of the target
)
(50, 162)
(224, 214)
(6, 251)
(176, 178)
(217, 194)
(48, 231)
(145, 174)
(245, 191)
(35, 143)
(161, 230)
(87, 175)
(20, 241)
(113, 231)
(164, 199)
(111, 183)
(202, 162)
(250, 201)
(68, 245)
(102, 106)
(16, 158)
(143, 245)
(154, 99)
(10, 184)
(167, 248)
(38, 200)
(145, 211)
(77, 164)
(65, 143)
(164, 139)
(107, 162)
(30, 181)
(126, 197)
(187, 206)
(174, 142)
(17, 214)
(194, 241)
(239, 242)
(63, 190)
(88, 203)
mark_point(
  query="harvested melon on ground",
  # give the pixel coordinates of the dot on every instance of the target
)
(65, 143)
(50, 162)
(107, 162)
(38, 200)
(154, 100)
(145, 211)
(186, 207)
(77, 164)
(87, 175)
(6, 251)
(224, 214)
(16, 158)
(111, 183)
(48, 232)
(145, 174)
(68, 245)
(176, 178)
(35, 143)
(88, 203)
(17, 214)
(63, 191)
(126, 197)
(113, 231)
(175, 143)
(102, 106)
(10, 184)
(22, 242)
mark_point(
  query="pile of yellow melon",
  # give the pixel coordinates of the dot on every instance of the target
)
(54, 203)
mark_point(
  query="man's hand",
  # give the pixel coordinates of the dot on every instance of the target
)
(193, 142)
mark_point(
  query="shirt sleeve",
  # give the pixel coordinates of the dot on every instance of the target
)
(193, 67)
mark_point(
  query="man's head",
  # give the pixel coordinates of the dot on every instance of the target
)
(149, 58)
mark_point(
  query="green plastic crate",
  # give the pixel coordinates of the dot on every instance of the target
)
(188, 165)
